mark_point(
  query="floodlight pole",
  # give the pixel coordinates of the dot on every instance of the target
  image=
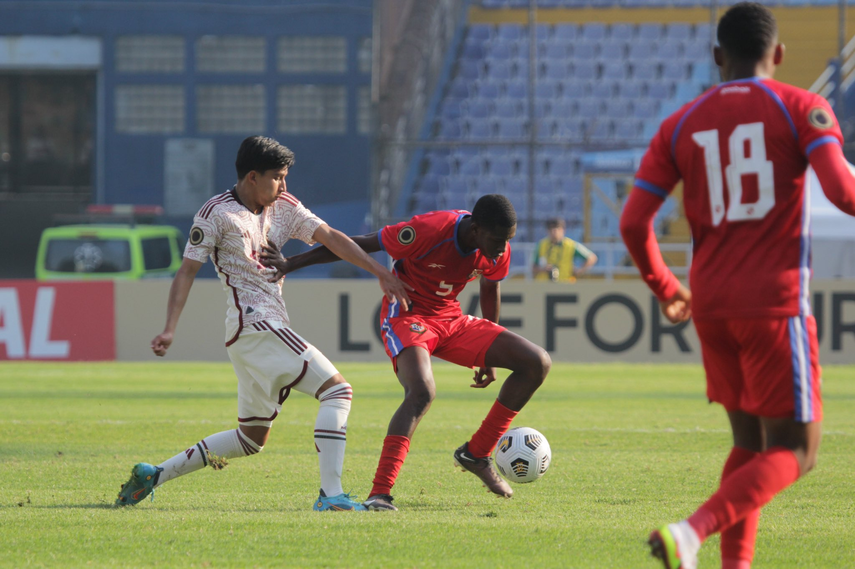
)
(532, 119)
(841, 44)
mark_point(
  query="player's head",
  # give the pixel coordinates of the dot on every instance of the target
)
(748, 34)
(262, 164)
(494, 222)
(555, 226)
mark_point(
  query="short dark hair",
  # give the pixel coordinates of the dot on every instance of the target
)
(747, 31)
(260, 154)
(494, 212)
(554, 222)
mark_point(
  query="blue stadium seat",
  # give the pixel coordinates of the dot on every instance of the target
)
(455, 185)
(480, 31)
(584, 50)
(565, 32)
(520, 203)
(615, 70)
(556, 51)
(426, 201)
(627, 129)
(621, 31)
(511, 129)
(564, 108)
(489, 89)
(562, 168)
(478, 108)
(697, 51)
(543, 32)
(508, 108)
(603, 89)
(545, 206)
(629, 89)
(501, 168)
(499, 69)
(613, 49)
(575, 88)
(473, 51)
(543, 107)
(555, 70)
(519, 69)
(645, 109)
(572, 129)
(617, 108)
(594, 31)
(510, 31)
(544, 186)
(641, 50)
(516, 89)
(469, 69)
(599, 130)
(678, 31)
(675, 70)
(585, 70)
(650, 31)
(451, 109)
(659, 90)
(546, 90)
(471, 167)
(500, 49)
(479, 129)
(588, 107)
(486, 185)
(702, 32)
(645, 70)
(439, 166)
(450, 130)
(670, 49)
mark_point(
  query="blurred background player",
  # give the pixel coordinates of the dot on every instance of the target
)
(437, 254)
(742, 150)
(556, 254)
(269, 357)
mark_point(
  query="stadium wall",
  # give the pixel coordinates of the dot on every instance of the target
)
(591, 321)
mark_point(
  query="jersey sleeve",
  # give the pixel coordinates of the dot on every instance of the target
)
(205, 234)
(581, 252)
(304, 224)
(658, 173)
(501, 269)
(411, 238)
(815, 123)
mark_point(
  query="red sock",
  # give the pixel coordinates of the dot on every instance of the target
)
(395, 449)
(494, 426)
(749, 488)
(737, 541)
(735, 564)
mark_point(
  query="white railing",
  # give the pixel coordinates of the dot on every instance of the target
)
(824, 85)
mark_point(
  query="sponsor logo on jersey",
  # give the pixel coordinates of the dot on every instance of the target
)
(819, 118)
(735, 89)
(417, 327)
(196, 235)
(406, 235)
(436, 266)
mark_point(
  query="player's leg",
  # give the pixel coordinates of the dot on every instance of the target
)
(416, 376)
(737, 541)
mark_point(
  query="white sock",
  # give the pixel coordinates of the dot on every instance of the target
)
(331, 435)
(228, 444)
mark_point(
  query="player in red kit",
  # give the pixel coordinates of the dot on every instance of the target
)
(437, 254)
(742, 150)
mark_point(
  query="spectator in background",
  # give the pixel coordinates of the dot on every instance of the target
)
(556, 253)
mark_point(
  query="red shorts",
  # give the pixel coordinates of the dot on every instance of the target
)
(463, 340)
(767, 367)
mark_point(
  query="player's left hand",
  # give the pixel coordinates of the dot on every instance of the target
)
(272, 258)
(678, 308)
(484, 377)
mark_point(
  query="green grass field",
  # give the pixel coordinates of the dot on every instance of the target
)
(634, 446)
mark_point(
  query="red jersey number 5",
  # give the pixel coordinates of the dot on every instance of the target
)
(744, 136)
(447, 288)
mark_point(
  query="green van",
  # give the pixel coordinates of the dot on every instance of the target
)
(108, 251)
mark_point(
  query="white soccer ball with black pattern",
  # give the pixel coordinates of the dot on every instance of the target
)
(523, 455)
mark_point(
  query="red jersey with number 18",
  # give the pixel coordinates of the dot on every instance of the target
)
(428, 257)
(741, 149)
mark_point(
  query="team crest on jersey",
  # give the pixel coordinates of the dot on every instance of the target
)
(406, 235)
(820, 118)
(196, 235)
(475, 274)
(417, 327)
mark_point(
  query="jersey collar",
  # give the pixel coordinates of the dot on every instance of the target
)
(456, 241)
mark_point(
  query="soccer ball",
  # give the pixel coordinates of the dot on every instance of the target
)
(523, 455)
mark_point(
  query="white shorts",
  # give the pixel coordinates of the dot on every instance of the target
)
(270, 360)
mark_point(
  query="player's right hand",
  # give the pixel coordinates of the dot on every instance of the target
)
(678, 308)
(395, 289)
(272, 258)
(161, 343)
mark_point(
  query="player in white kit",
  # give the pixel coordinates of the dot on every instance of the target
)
(269, 357)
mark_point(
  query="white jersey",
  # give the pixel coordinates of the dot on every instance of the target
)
(232, 236)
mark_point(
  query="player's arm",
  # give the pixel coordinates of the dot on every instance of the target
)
(590, 258)
(636, 228)
(490, 304)
(178, 293)
(344, 248)
(271, 257)
(835, 174)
